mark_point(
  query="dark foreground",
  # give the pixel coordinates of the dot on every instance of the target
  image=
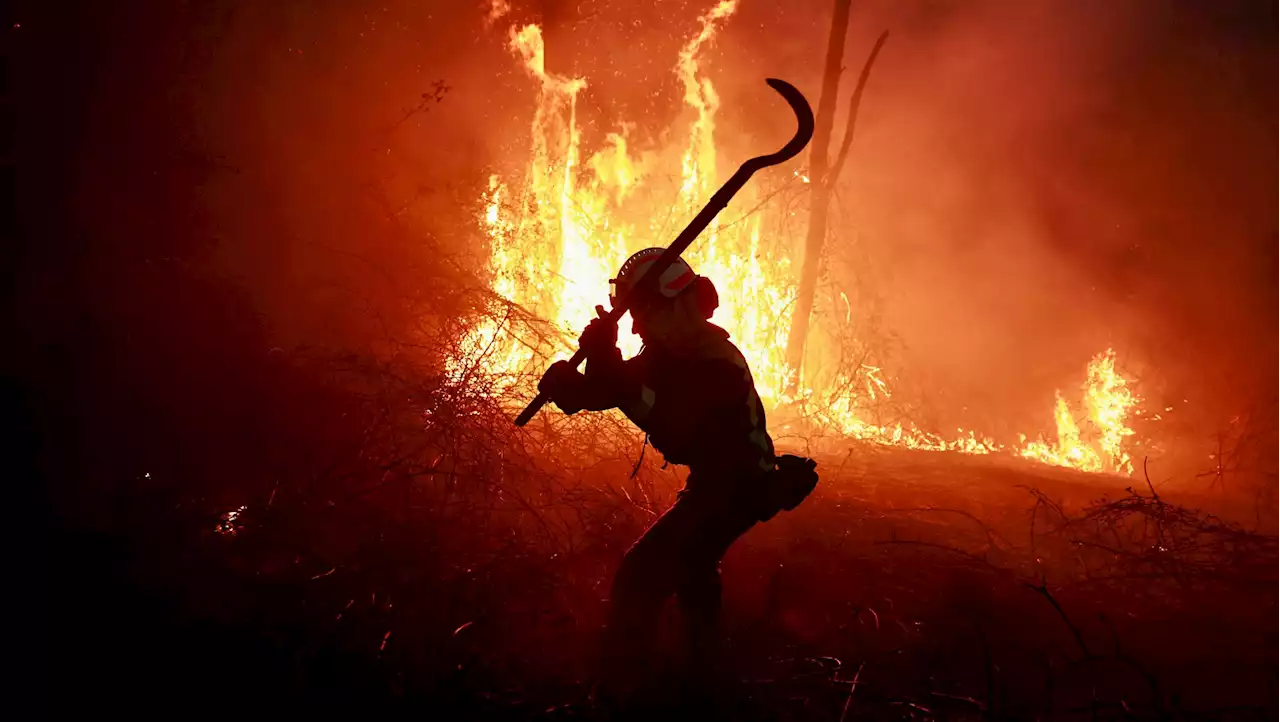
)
(912, 586)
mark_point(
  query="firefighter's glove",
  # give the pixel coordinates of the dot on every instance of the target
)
(560, 383)
(600, 337)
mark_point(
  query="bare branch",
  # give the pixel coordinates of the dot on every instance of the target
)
(854, 102)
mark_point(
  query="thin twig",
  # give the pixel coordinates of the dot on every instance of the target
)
(853, 687)
(854, 102)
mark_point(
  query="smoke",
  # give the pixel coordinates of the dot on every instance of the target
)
(1035, 182)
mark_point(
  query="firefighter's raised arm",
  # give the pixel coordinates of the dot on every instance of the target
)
(605, 385)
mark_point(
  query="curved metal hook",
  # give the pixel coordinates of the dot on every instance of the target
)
(804, 126)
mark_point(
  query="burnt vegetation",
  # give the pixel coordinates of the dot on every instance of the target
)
(383, 541)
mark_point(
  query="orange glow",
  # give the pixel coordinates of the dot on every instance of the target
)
(558, 235)
(1107, 404)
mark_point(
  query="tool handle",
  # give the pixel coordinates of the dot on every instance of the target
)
(541, 399)
(532, 409)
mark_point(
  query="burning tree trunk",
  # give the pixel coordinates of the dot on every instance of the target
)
(822, 177)
(557, 17)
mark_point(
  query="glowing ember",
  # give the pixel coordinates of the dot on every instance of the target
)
(229, 523)
(556, 239)
(497, 9)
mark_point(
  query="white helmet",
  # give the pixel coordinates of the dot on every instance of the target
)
(678, 276)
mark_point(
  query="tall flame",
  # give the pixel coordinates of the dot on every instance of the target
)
(699, 163)
(758, 311)
(554, 256)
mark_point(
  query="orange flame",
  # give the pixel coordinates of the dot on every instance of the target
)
(557, 240)
(1108, 403)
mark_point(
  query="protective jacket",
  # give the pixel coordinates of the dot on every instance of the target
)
(697, 402)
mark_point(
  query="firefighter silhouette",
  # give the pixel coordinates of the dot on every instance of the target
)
(691, 391)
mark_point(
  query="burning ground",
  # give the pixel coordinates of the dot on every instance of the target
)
(291, 268)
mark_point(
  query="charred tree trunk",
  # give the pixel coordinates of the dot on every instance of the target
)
(557, 18)
(820, 195)
(823, 178)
